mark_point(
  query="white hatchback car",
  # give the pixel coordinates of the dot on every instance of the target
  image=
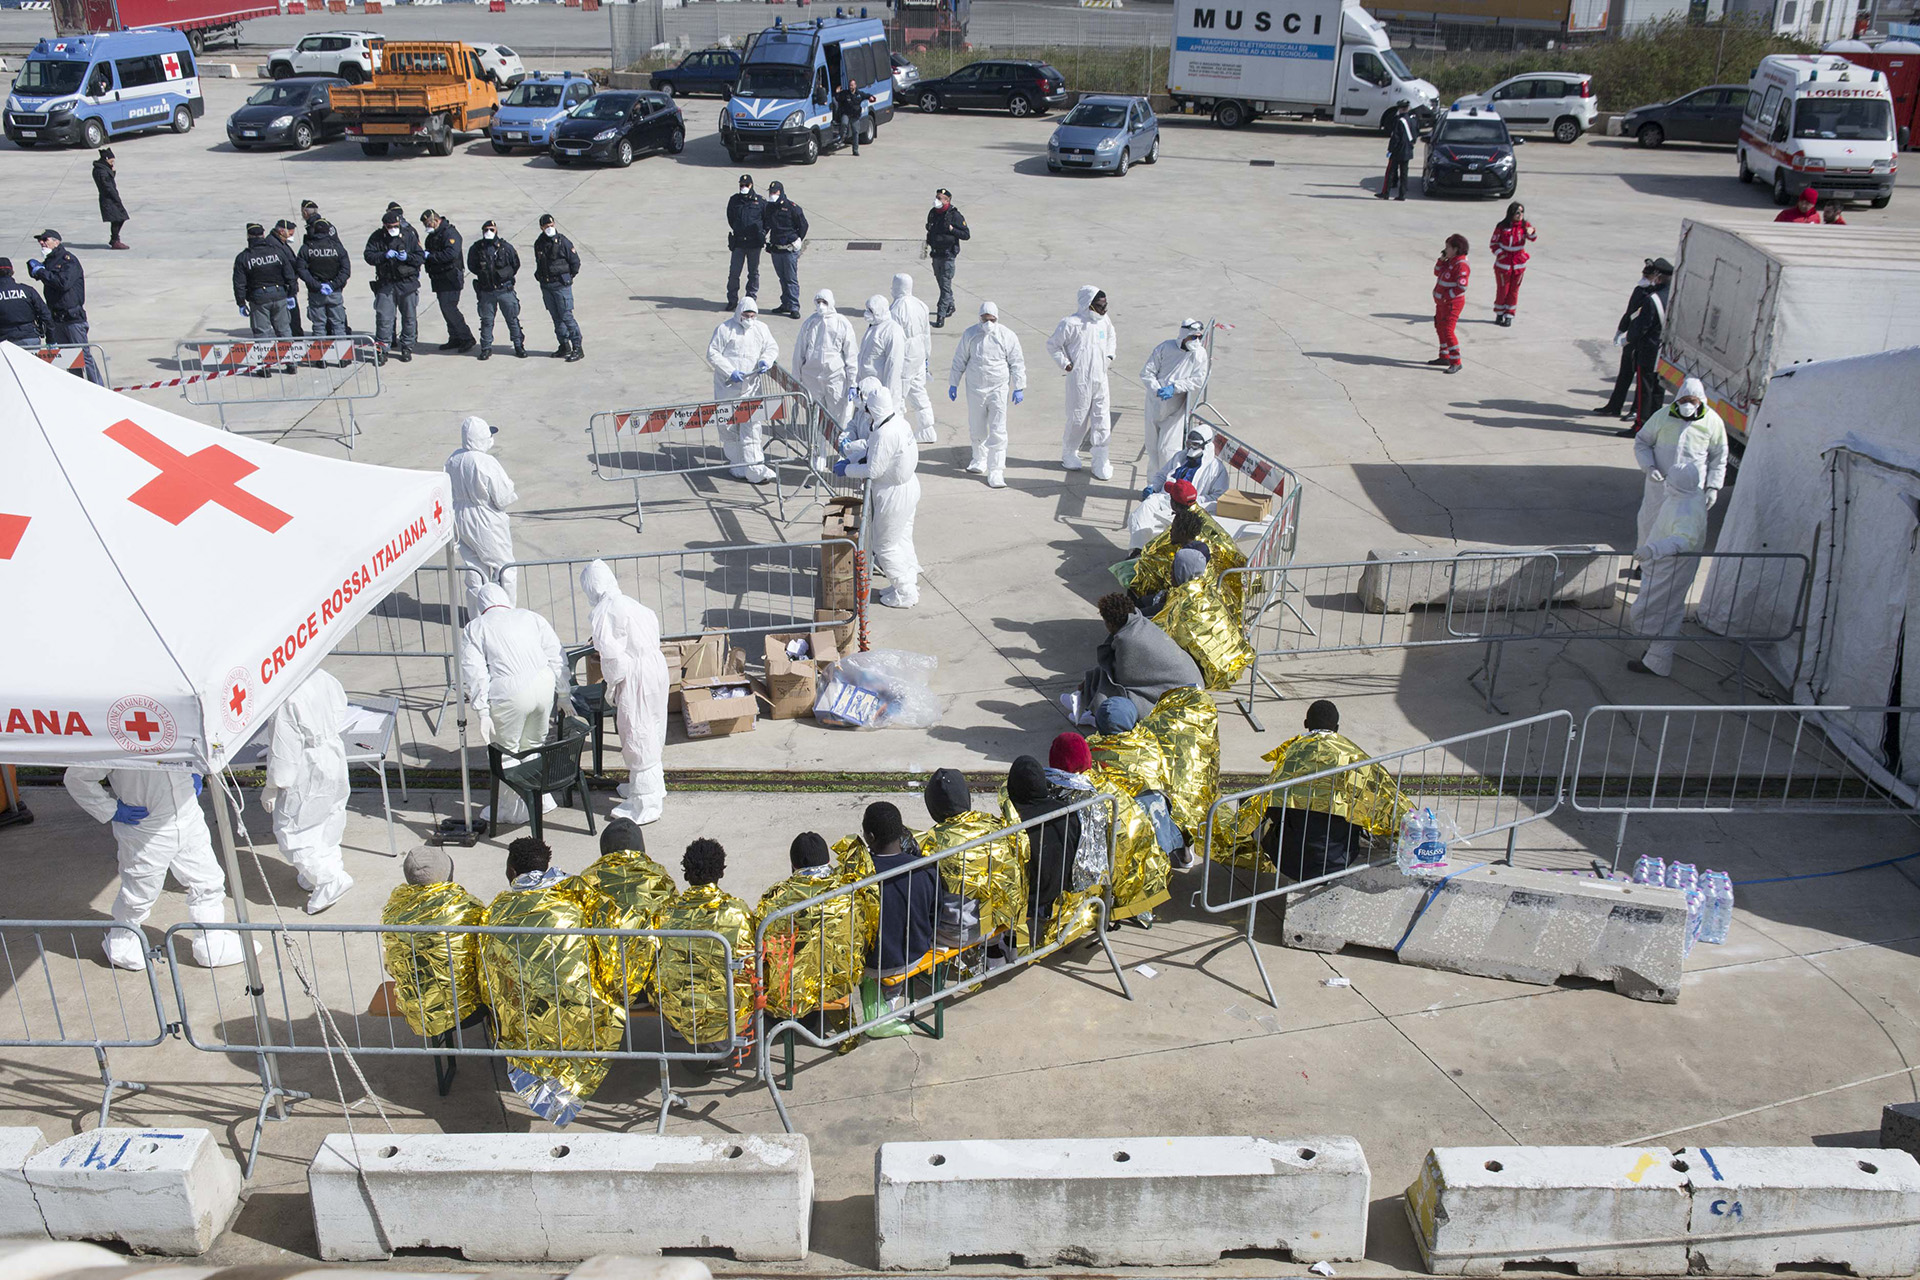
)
(1557, 102)
(501, 64)
(352, 55)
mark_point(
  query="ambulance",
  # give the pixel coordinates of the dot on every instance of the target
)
(1817, 120)
(82, 90)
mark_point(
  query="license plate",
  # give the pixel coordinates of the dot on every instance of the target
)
(516, 137)
(756, 146)
(249, 133)
(29, 133)
(1471, 177)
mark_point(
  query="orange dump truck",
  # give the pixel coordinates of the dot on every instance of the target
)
(425, 93)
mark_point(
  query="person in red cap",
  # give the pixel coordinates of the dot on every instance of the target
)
(1070, 754)
(1806, 209)
(1450, 273)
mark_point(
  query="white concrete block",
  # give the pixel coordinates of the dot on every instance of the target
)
(1108, 1202)
(19, 1213)
(544, 1197)
(156, 1190)
(1759, 1208)
(1604, 1210)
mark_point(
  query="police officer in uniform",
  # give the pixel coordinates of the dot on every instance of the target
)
(264, 284)
(1645, 324)
(946, 228)
(309, 212)
(745, 235)
(282, 237)
(786, 226)
(59, 273)
(325, 265)
(24, 319)
(1401, 135)
(494, 264)
(446, 271)
(555, 264)
(395, 255)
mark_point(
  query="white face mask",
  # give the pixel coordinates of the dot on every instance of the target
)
(551, 231)
(489, 235)
(938, 205)
(46, 251)
(393, 231)
(1688, 409)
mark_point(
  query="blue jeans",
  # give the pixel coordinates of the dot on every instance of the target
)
(507, 302)
(75, 335)
(943, 274)
(786, 265)
(559, 300)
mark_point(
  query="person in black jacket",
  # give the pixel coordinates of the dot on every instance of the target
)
(1051, 846)
(24, 319)
(555, 264)
(745, 235)
(494, 264)
(282, 238)
(395, 255)
(59, 273)
(1401, 135)
(112, 211)
(849, 104)
(946, 228)
(264, 284)
(446, 270)
(1645, 324)
(910, 901)
(324, 263)
(786, 227)
(1616, 405)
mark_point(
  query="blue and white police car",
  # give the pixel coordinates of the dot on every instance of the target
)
(83, 90)
(528, 113)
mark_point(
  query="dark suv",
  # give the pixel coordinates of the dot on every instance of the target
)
(709, 71)
(1470, 151)
(1019, 88)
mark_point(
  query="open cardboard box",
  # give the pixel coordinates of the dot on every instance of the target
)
(792, 682)
(719, 706)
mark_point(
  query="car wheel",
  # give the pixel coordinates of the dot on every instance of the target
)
(1019, 106)
(665, 87)
(1781, 196)
(676, 141)
(812, 153)
(1053, 166)
(441, 146)
(868, 131)
(1746, 174)
(623, 154)
(352, 74)
(736, 156)
(182, 119)
(280, 70)
(929, 102)
(94, 134)
(302, 135)
(501, 148)
(374, 148)
(1567, 129)
(1124, 163)
(1651, 135)
(1153, 152)
(1229, 115)
(561, 161)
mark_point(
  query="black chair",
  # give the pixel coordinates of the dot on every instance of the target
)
(552, 768)
(589, 703)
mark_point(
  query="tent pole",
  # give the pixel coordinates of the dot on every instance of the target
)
(457, 830)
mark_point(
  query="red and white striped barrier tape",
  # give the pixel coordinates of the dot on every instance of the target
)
(235, 358)
(691, 417)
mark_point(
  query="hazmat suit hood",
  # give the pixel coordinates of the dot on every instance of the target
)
(878, 309)
(1088, 292)
(879, 403)
(867, 387)
(490, 595)
(476, 434)
(947, 794)
(826, 296)
(989, 312)
(747, 307)
(902, 286)
(598, 582)
(1692, 387)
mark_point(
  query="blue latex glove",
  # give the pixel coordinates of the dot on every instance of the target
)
(293, 304)
(199, 784)
(1147, 492)
(1018, 396)
(35, 267)
(953, 393)
(840, 467)
(403, 255)
(244, 312)
(761, 366)
(1165, 393)
(326, 291)
(393, 253)
(735, 377)
(131, 814)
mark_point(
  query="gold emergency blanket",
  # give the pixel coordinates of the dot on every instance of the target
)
(1140, 865)
(853, 858)
(1073, 912)
(436, 976)
(1197, 618)
(1155, 565)
(691, 976)
(993, 874)
(1366, 797)
(815, 956)
(557, 990)
(638, 887)
(1136, 752)
(1188, 727)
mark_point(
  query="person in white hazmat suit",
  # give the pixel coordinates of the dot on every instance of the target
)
(991, 364)
(883, 349)
(513, 667)
(1174, 376)
(742, 349)
(892, 457)
(1083, 345)
(1684, 453)
(1196, 463)
(853, 440)
(482, 492)
(157, 828)
(911, 315)
(626, 634)
(306, 791)
(826, 357)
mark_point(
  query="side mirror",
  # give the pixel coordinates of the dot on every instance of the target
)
(1518, 142)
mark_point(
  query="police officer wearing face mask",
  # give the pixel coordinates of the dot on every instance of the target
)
(444, 263)
(24, 318)
(324, 264)
(282, 238)
(395, 255)
(745, 235)
(264, 284)
(494, 264)
(59, 273)
(946, 228)
(555, 264)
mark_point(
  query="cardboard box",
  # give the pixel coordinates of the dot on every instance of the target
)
(704, 658)
(1244, 506)
(837, 585)
(719, 706)
(792, 682)
(838, 623)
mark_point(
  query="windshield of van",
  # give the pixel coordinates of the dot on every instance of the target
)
(1472, 133)
(278, 95)
(762, 80)
(1842, 118)
(529, 94)
(1394, 64)
(1097, 115)
(45, 77)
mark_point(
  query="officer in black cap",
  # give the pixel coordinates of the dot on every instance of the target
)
(494, 264)
(745, 235)
(59, 273)
(24, 318)
(264, 284)
(446, 271)
(555, 264)
(395, 255)
(283, 237)
(325, 265)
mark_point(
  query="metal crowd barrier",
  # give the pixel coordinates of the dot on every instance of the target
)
(76, 1000)
(1258, 476)
(420, 620)
(628, 446)
(943, 990)
(1488, 782)
(227, 374)
(76, 357)
(1830, 761)
(742, 590)
(816, 436)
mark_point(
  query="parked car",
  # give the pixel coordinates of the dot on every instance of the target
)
(1711, 114)
(500, 65)
(1109, 132)
(1470, 150)
(428, 93)
(1022, 88)
(531, 108)
(709, 71)
(618, 125)
(288, 113)
(905, 75)
(1558, 102)
(352, 55)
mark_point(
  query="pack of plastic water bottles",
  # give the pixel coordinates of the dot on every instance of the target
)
(1709, 895)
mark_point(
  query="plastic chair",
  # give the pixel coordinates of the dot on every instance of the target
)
(589, 703)
(552, 768)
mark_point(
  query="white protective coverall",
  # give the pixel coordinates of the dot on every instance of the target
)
(911, 315)
(1083, 345)
(513, 666)
(892, 457)
(743, 345)
(990, 360)
(1199, 465)
(883, 349)
(626, 634)
(826, 357)
(172, 837)
(481, 495)
(1686, 464)
(1179, 364)
(306, 789)
(853, 440)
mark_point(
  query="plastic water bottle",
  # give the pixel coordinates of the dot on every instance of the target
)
(1717, 917)
(1650, 869)
(1682, 875)
(1421, 851)
(1696, 908)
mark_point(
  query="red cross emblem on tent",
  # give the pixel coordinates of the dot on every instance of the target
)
(188, 482)
(437, 511)
(172, 64)
(12, 529)
(140, 724)
(237, 700)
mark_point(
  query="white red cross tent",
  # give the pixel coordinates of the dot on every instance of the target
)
(168, 584)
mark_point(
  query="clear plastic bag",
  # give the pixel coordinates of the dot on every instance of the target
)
(1425, 837)
(880, 689)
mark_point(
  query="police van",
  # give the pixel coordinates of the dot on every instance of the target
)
(82, 90)
(1816, 120)
(782, 104)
